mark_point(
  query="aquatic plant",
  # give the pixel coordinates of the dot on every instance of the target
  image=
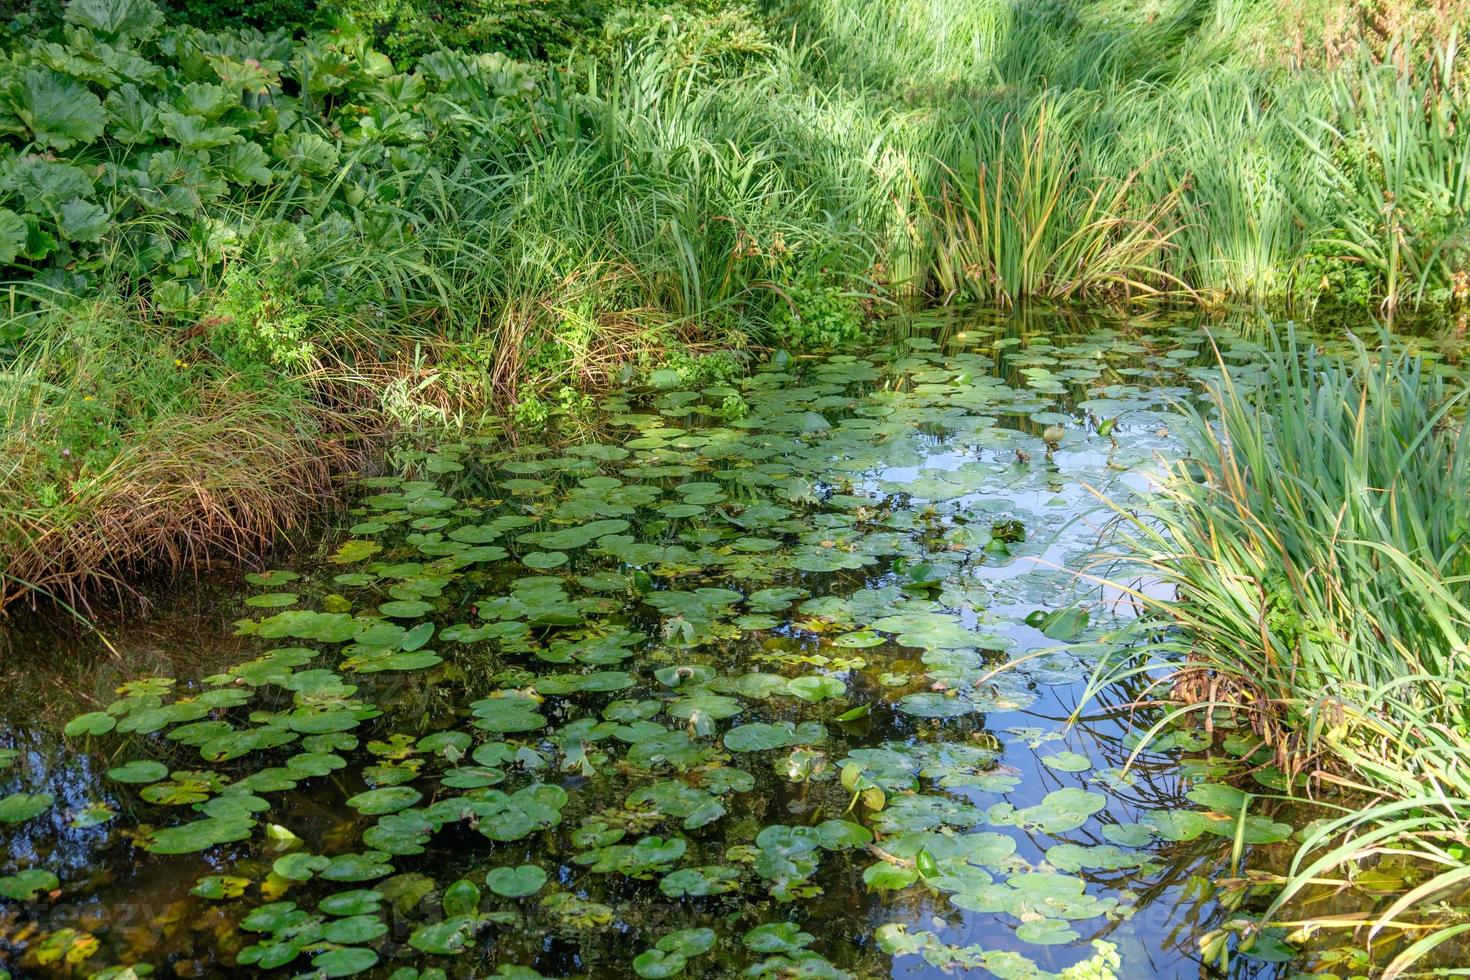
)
(1311, 558)
(680, 694)
(1027, 221)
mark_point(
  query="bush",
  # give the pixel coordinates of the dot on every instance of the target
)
(134, 152)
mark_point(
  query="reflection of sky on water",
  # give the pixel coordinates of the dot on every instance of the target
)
(1058, 499)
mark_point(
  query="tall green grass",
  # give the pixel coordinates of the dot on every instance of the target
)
(1315, 549)
(1026, 217)
(1395, 152)
(1301, 177)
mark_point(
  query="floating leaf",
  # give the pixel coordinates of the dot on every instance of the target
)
(19, 807)
(815, 687)
(344, 962)
(762, 736)
(405, 608)
(299, 866)
(1067, 762)
(24, 885)
(138, 771)
(200, 835)
(91, 723)
(219, 887)
(517, 882)
(447, 937)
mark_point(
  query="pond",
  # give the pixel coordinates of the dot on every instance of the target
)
(772, 680)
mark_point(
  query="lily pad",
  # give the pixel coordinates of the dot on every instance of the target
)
(138, 771)
(762, 736)
(23, 886)
(518, 882)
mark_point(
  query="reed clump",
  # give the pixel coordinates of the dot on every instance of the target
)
(1315, 543)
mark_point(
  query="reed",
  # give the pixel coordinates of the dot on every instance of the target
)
(1315, 546)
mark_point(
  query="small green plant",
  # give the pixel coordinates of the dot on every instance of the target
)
(733, 407)
(704, 369)
(530, 412)
(268, 315)
(813, 313)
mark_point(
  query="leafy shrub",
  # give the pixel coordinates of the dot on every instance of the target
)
(292, 17)
(408, 29)
(703, 370)
(817, 314)
(150, 152)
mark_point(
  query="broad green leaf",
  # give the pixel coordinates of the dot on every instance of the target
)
(58, 111)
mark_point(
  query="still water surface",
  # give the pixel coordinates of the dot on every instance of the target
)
(775, 678)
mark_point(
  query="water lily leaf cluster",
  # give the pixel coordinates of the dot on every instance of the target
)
(760, 673)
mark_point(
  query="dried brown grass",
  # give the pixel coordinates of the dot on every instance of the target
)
(225, 482)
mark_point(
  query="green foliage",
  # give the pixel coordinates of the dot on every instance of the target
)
(408, 29)
(138, 152)
(1325, 497)
(1317, 542)
(375, 214)
(1394, 152)
(812, 314)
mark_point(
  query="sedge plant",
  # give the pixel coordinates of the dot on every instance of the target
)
(1311, 555)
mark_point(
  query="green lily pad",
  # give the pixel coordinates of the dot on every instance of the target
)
(273, 600)
(220, 887)
(355, 901)
(351, 929)
(355, 551)
(406, 608)
(388, 799)
(935, 705)
(344, 962)
(199, 835)
(447, 937)
(91, 723)
(815, 687)
(23, 886)
(357, 867)
(517, 882)
(700, 881)
(299, 866)
(20, 807)
(138, 771)
(1067, 762)
(762, 736)
(1046, 932)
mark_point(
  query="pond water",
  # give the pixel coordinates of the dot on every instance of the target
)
(773, 680)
